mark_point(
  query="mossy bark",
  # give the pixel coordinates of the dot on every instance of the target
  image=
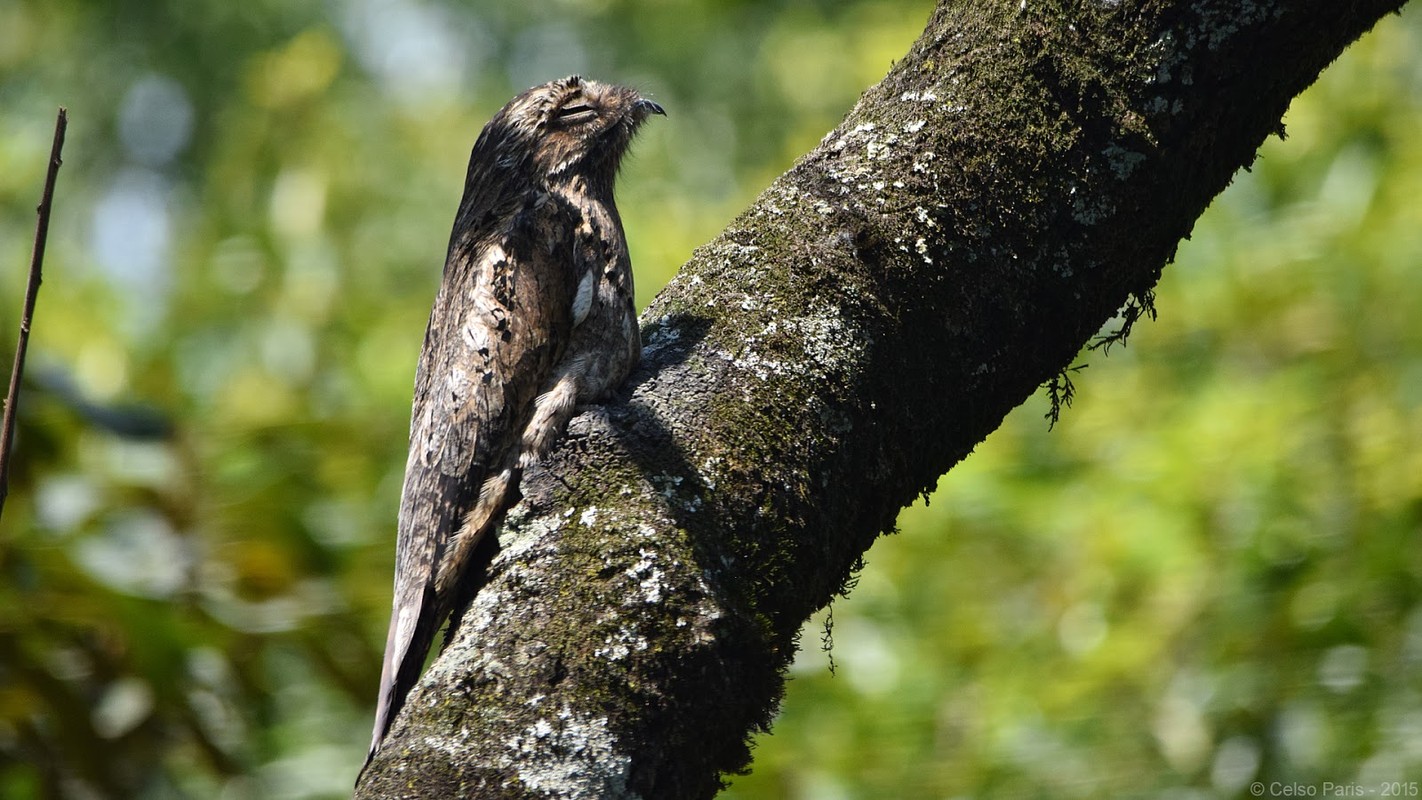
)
(1021, 176)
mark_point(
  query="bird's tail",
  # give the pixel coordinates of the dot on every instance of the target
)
(412, 630)
(419, 611)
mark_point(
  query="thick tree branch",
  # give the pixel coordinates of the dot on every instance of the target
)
(1022, 174)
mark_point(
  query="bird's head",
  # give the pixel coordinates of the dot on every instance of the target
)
(575, 126)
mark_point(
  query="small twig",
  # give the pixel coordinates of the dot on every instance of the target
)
(7, 433)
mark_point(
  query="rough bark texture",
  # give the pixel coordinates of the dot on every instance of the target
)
(1024, 173)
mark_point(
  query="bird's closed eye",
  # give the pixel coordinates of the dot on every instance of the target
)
(575, 112)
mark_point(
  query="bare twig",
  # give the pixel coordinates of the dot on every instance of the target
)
(31, 291)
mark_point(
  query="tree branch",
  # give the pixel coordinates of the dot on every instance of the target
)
(7, 426)
(1026, 171)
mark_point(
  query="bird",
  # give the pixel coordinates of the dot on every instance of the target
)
(534, 316)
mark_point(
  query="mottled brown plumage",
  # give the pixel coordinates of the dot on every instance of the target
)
(534, 316)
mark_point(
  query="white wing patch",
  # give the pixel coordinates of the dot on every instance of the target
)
(405, 629)
(493, 256)
(582, 301)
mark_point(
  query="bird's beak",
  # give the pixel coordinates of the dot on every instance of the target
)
(646, 107)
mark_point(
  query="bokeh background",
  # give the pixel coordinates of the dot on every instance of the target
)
(1209, 573)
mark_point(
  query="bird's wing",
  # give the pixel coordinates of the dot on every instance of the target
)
(499, 324)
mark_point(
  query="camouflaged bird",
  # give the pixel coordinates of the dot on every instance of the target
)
(534, 316)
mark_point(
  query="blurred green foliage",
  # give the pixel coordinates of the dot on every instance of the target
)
(1208, 574)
